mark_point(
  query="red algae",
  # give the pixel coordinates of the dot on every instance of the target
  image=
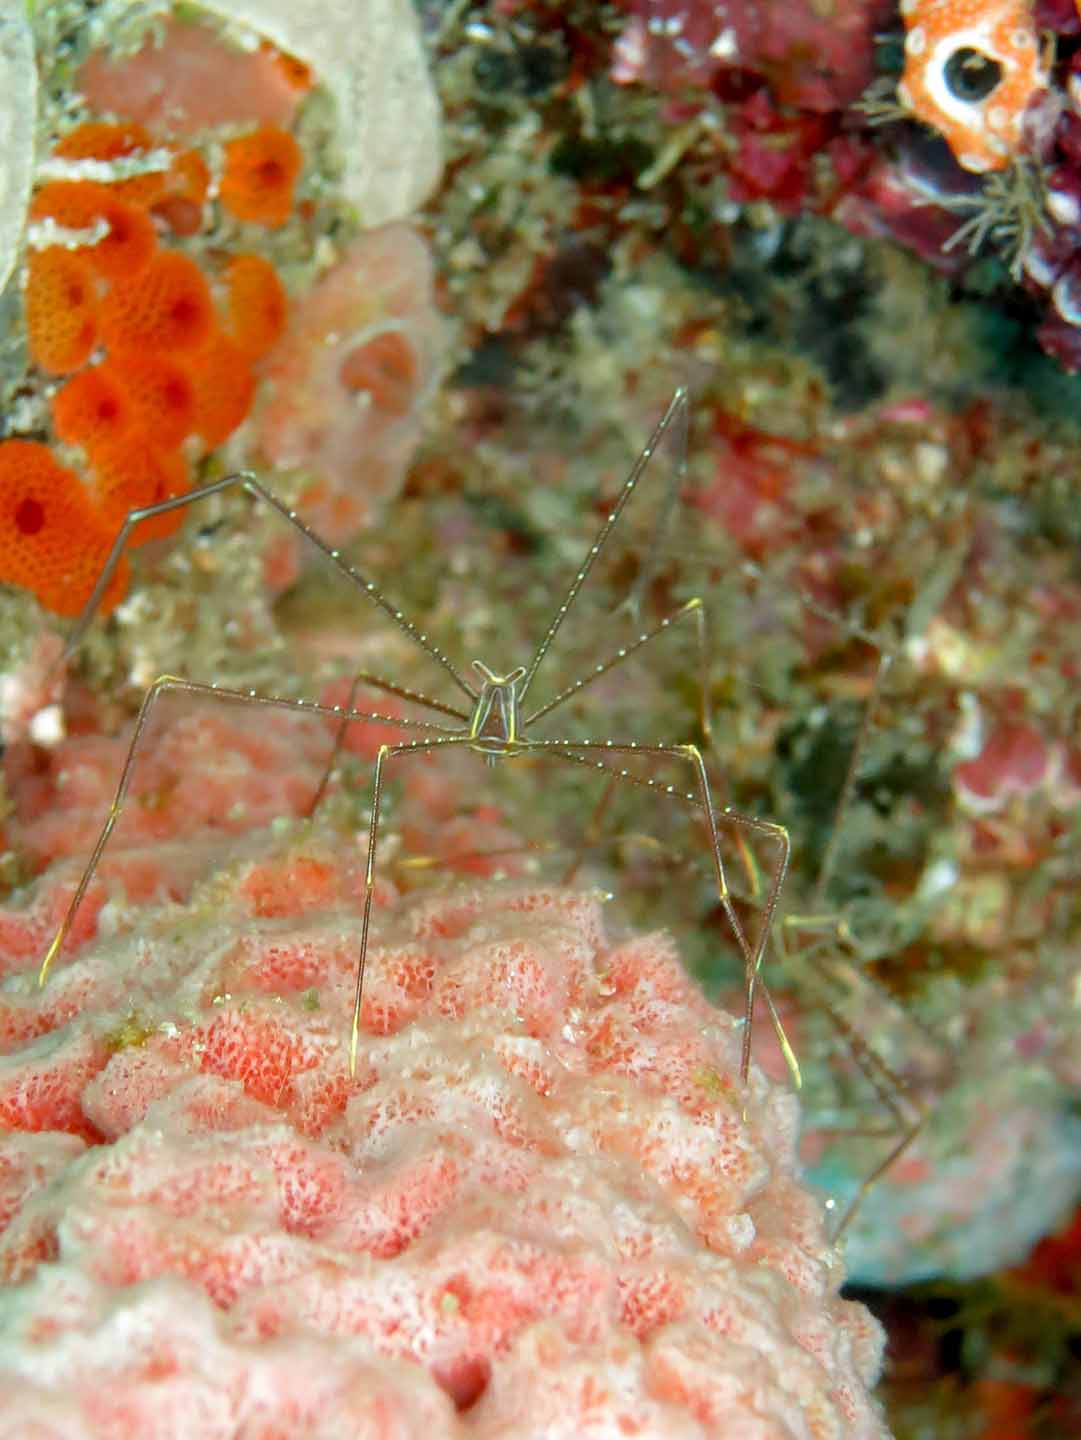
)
(673, 43)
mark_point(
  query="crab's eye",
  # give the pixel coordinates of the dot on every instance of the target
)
(971, 75)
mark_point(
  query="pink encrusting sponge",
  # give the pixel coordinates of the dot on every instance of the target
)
(545, 1207)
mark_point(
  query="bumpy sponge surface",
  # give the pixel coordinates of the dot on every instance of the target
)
(545, 1207)
(52, 540)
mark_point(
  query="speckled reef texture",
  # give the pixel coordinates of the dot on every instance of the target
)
(545, 1205)
(880, 514)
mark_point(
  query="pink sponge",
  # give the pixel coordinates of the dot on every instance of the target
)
(347, 386)
(544, 1207)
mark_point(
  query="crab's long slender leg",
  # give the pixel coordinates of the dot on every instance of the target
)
(248, 482)
(161, 686)
(583, 751)
(868, 1183)
(592, 830)
(691, 610)
(891, 1092)
(363, 677)
(386, 752)
(848, 785)
(908, 1113)
(679, 427)
(675, 414)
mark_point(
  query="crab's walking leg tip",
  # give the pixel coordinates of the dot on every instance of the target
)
(50, 956)
(792, 1063)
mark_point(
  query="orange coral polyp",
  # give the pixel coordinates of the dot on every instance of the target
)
(296, 74)
(133, 473)
(52, 540)
(189, 176)
(166, 307)
(261, 170)
(80, 204)
(61, 309)
(91, 410)
(257, 304)
(159, 393)
(224, 389)
(102, 140)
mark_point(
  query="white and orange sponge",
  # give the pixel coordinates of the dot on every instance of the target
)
(544, 1207)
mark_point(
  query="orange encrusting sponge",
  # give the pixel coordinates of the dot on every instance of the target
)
(257, 304)
(61, 310)
(298, 75)
(180, 205)
(91, 410)
(224, 386)
(129, 415)
(103, 140)
(130, 474)
(99, 140)
(130, 240)
(160, 393)
(173, 369)
(261, 170)
(176, 191)
(166, 306)
(52, 538)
